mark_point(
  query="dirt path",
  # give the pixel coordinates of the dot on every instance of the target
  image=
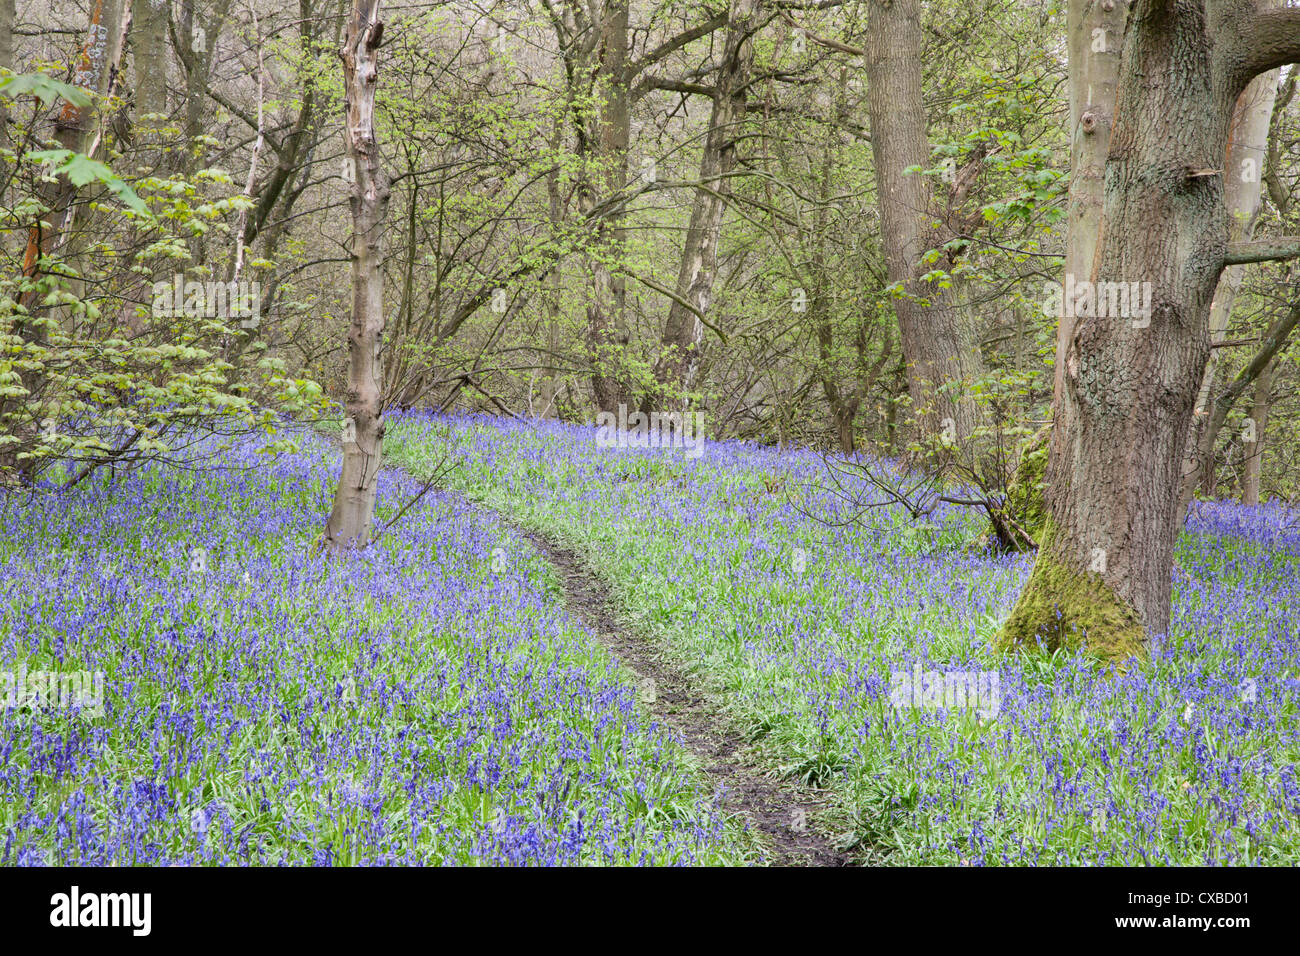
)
(781, 810)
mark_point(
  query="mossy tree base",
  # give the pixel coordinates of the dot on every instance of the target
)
(1061, 608)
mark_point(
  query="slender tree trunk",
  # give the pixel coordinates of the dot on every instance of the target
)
(1221, 401)
(939, 338)
(1274, 341)
(74, 129)
(1095, 37)
(1198, 464)
(1253, 440)
(1095, 34)
(350, 521)
(684, 330)
(149, 55)
(195, 46)
(6, 62)
(843, 405)
(608, 137)
(553, 296)
(75, 126)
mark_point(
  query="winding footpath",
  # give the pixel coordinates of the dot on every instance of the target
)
(780, 810)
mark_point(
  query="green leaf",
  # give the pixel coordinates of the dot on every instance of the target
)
(81, 170)
(44, 87)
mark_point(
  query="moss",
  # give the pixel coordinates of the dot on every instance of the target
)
(1026, 503)
(1063, 608)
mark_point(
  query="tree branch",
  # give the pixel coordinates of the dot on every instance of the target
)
(1270, 39)
(821, 40)
(1262, 250)
(676, 86)
(650, 283)
(668, 47)
(1275, 339)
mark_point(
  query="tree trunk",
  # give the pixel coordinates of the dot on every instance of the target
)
(1274, 341)
(74, 129)
(195, 47)
(350, 521)
(939, 340)
(1253, 440)
(1129, 383)
(607, 139)
(1243, 171)
(843, 403)
(684, 330)
(1198, 464)
(1221, 402)
(149, 55)
(1095, 34)
(6, 62)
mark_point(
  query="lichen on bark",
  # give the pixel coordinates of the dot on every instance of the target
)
(1063, 608)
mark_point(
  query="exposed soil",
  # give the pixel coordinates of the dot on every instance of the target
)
(781, 810)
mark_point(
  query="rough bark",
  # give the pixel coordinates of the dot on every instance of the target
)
(149, 55)
(938, 337)
(1243, 188)
(1095, 37)
(684, 330)
(350, 521)
(1129, 384)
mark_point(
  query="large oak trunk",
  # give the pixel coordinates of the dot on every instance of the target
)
(1129, 381)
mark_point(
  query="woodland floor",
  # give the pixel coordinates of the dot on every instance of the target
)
(779, 809)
